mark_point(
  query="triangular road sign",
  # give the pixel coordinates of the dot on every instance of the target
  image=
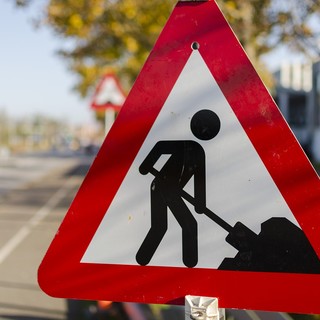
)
(198, 139)
(108, 94)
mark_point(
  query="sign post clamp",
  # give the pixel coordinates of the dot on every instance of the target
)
(203, 308)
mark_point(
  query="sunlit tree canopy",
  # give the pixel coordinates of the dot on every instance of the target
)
(117, 35)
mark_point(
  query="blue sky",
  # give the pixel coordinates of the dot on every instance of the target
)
(33, 79)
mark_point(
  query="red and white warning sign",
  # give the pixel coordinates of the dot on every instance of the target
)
(200, 187)
(108, 94)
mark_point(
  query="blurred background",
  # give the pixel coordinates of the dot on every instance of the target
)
(53, 56)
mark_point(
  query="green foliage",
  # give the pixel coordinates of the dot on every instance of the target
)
(262, 25)
(108, 35)
(117, 35)
(304, 316)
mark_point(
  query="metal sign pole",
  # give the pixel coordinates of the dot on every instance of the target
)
(203, 308)
(109, 119)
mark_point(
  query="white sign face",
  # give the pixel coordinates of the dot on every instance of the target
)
(238, 186)
(200, 178)
(109, 93)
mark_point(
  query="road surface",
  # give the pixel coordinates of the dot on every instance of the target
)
(34, 198)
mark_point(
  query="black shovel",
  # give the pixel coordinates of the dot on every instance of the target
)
(281, 246)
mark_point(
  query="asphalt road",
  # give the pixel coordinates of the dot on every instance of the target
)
(35, 194)
(34, 199)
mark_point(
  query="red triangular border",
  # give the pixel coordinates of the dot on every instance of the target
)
(62, 275)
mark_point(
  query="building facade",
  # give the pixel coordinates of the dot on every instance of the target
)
(298, 97)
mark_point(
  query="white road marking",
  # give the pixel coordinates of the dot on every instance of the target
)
(252, 315)
(24, 231)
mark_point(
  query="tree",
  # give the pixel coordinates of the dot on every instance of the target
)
(263, 25)
(107, 35)
(118, 34)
